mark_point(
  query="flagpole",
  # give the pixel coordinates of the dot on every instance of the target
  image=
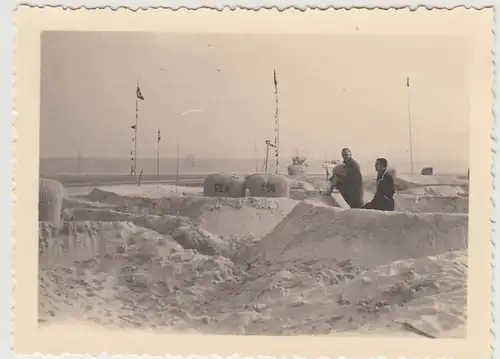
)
(135, 134)
(277, 123)
(408, 92)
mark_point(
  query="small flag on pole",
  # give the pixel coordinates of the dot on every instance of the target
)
(275, 82)
(139, 93)
(159, 137)
(407, 82)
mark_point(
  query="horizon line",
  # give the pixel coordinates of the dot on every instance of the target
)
(228, 158)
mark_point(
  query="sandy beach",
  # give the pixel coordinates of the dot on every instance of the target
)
(166, 257)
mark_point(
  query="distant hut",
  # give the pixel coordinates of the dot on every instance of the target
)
(427, 171)
(298, 166)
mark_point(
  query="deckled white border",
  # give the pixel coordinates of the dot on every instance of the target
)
(6, 135)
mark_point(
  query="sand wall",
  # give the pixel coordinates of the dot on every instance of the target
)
(75, 241)
(367, 238)
(228, 217)
(428, 204)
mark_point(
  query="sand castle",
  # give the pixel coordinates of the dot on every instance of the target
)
(268, 185)
(224, 185)
(235, 186)
(225, 252)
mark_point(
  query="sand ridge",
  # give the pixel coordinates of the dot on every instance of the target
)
(222, 216)
(252, 266)
(365, 237)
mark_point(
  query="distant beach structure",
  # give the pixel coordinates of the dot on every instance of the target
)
(427, 171)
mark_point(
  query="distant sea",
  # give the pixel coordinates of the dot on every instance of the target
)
(115, 166)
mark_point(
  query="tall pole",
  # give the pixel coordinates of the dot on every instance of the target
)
(138, 96)
(409, 122)
(277, 124)
(158, 155)
(135, 134)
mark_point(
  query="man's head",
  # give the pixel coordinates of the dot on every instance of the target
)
(346, 154)
(380, 165)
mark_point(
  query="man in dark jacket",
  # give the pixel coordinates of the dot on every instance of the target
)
(350, 186)
(384, 197)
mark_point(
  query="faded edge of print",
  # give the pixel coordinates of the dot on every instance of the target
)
(303, 181)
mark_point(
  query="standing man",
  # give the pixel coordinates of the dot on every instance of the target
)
(350, 185)
(384, 197)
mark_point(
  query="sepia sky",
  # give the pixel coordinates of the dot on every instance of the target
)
(334, 92)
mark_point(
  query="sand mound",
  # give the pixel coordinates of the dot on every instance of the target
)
(149, 280)
(268, 185)
(427, 204)
(224, 185)
(72, 203)
(144, 190)
(98, 195)
(249, 217)
(367, 238)
(82, 241)
(404, 182)
(436, 191)
(146, 284)
(323, 297)
(203, 241)
(229, 217)
(200, 265)
(95, 214)
(237, 221)
(429, 294)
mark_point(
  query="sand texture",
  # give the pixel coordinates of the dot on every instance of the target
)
(153, 257)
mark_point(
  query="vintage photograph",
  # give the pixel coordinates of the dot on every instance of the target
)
(254, 183)
(318, 181)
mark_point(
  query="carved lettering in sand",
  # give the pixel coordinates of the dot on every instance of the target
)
(268, 187)
(221, 188)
